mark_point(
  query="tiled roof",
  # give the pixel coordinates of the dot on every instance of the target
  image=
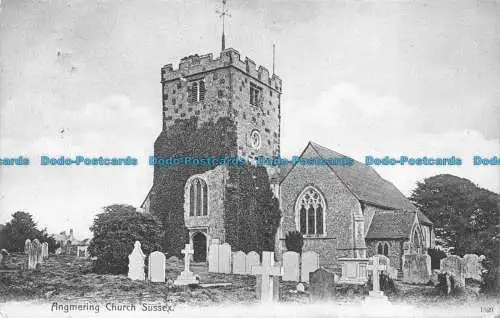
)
(423, 219)
(365, 183)
(395, 224)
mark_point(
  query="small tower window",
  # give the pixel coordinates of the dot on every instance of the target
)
(196, 91)
(255, 95)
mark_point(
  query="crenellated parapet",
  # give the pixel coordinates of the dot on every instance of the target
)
(196, 64)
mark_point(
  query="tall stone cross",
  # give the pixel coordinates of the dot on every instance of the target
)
(186, 277)
(267, 271)
(376, 268)
(187, 251)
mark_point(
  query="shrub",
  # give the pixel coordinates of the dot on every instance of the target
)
(17, 230)
(115, 232)
(294, 241)
(443, 288)
(436, 256)
(386, 283)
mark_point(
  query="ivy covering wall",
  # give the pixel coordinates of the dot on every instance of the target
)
(251, 216)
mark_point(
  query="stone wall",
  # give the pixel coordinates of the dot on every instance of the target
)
(395, 251)
(341, 205)
(227, 83)
(214, 221)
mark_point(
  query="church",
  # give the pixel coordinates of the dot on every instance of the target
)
(341, 210)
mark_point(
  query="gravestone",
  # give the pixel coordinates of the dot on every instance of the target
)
(136, 263)
(291, 266)
(268, 273)
(252, 259)
(45, 250)
(454, 266)
(225, 258)
(156, 267)
(186, 277)
(239, 263)
(30, 251)
(416, 268)
(3, 258)
(213, 256)
(37, 252)
(322, 284)
(353, 270)
(472, 266)
(310, 263)
(376, 268)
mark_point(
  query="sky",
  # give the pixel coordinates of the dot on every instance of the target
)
(375, 77)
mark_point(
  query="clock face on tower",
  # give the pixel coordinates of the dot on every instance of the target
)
(255, 139)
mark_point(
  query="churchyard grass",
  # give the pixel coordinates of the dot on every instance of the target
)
(66, 278)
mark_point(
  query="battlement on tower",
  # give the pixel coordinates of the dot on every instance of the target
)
(195, 64)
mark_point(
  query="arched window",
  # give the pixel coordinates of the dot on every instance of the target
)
(198, 198)
(386, 249)
(380, 248)
(310, 209)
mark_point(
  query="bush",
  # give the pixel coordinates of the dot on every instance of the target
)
(436, 256)
(115, 232)
(17, 230)
(294, 241)
(442, 286)
(387, 284)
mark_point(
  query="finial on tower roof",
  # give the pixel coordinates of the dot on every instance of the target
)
(222, 14)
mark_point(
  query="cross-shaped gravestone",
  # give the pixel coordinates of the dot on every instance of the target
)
(268, 271)
(187, 251)
(376, 268)
(186, 277)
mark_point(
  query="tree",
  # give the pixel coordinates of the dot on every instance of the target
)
(463, 214)
(294, 241)
(115, 232)
(17, 230)
(465, 219)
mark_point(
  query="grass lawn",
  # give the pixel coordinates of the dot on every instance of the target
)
(69, 279)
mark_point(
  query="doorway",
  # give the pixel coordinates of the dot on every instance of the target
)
(199, 247)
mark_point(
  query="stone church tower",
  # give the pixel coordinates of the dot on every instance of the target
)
(211, 88)
(208, 89)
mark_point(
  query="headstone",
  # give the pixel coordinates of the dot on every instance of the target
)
(3, 258)
(30, 251)
(239, 263)
(156, 267)
(454, 266)
(376, 268)
(268, 274)
(473, 267)
(213, 256)
(45, 250)
(225, 258)
(136, 263)
(37, 252)
(252, 259)
(186, 277)
(310, 263)
(322, 284)
(354, 270)
(291, 266)
(416, 268)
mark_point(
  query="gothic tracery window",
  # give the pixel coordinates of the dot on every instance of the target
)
(311, 207)
(198, 198)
